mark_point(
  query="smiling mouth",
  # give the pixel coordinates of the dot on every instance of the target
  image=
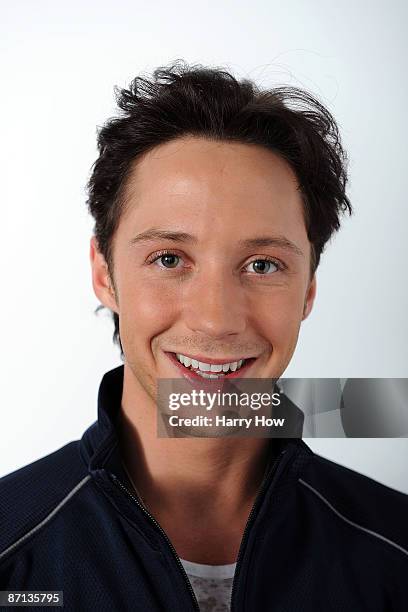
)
(193, 368)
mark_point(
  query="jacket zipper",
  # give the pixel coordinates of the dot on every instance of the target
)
(164, 534)
(254, 508)
(259, 497)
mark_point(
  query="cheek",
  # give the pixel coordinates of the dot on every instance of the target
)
(277, 317)
(146, 309)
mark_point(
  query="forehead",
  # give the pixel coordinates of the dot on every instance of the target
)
(225, 185)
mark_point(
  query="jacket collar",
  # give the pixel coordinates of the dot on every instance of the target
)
(99, 445)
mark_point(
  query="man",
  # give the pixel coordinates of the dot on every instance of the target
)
(212, 202)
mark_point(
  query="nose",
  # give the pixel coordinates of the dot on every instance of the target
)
(214, 304)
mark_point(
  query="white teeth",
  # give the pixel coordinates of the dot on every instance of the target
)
(205, 375)
(202, 367)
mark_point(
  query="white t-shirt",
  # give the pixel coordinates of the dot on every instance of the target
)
(212, 584)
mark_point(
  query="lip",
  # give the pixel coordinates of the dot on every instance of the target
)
(189, 374)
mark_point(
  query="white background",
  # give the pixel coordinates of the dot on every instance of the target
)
(59, 63)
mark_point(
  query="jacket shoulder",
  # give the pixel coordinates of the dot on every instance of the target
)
(366, 505)
(31, 493)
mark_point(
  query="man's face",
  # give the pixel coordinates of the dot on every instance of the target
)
(212, 296)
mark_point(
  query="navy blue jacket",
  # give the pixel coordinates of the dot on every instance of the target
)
(320, 537)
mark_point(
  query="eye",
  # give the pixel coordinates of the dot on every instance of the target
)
(263, 266)
(168, 259)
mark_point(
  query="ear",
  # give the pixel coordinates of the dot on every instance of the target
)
(101, 280)
(310, 296)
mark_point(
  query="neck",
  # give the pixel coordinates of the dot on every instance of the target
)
(184, 473)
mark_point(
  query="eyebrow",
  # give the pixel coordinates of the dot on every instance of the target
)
(183, 237)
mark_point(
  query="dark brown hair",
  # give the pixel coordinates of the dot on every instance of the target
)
(180, 100)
